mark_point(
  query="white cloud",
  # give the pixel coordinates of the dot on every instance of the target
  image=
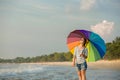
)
(87, 4)
(104, 28)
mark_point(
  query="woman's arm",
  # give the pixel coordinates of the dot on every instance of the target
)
(74, 57)
(73, 61)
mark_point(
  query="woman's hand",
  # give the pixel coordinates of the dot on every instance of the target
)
(73, 64)
(82, 55)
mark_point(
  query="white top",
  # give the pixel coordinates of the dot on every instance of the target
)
(77, 53)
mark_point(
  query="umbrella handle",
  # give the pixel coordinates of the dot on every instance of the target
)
(83, 53)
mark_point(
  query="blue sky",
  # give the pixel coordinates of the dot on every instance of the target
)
(36, 27)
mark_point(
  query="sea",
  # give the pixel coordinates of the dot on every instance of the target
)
(29, 71)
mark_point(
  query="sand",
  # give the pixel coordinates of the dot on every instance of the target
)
(103, 64)
(114, 64)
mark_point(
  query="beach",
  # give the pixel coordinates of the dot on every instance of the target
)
(106, 64)
(100, 70)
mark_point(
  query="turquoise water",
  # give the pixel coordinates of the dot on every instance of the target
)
(45, 72)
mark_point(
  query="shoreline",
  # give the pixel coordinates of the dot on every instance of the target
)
(101, 64)
(105, 64)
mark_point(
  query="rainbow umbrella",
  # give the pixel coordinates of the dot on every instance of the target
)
(95, 44)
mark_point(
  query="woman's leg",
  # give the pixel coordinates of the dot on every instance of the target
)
(79, 75)
(83, 74)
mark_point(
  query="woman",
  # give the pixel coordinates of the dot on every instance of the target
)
(80, 54)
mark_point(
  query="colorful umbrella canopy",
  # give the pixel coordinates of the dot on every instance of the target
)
(95, 44)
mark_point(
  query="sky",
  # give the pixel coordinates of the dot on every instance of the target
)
(30, 28)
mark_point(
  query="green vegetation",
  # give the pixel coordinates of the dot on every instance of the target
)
(113, 52)
(113, 49)
(44, 58)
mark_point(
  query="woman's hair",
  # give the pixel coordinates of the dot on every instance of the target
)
(85, 41)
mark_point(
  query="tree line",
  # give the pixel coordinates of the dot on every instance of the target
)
(113, 49)
(55, 57)
(113, 52)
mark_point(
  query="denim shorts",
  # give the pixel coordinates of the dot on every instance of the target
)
(82, 66)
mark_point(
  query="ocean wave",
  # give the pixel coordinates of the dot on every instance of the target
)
(20, 68)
